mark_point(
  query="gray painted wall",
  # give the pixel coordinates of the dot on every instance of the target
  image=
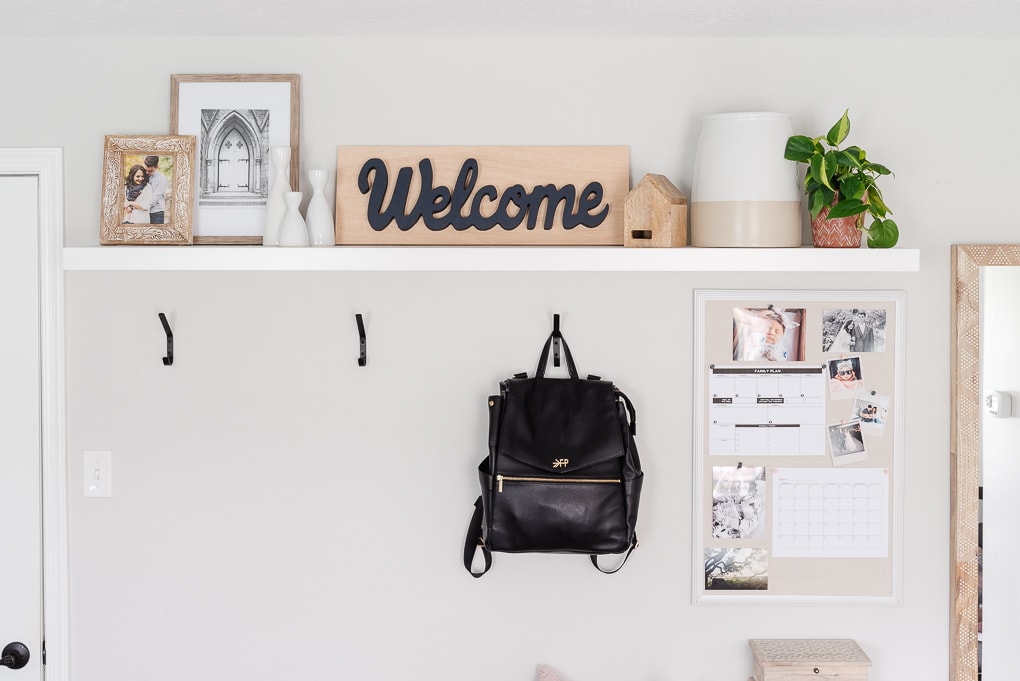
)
(272, 496)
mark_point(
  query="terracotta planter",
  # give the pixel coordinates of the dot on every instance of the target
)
(835, 232)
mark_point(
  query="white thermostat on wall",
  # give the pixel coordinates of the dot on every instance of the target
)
(999, 404)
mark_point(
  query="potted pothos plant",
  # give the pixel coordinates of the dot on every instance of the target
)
(842, 187)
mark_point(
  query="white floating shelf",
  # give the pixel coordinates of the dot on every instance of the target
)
(489, 259)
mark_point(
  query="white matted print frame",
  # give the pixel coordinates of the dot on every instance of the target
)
(744, 348)
(235, 118)
(147, 190)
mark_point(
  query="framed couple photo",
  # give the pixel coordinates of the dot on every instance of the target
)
(147, 190)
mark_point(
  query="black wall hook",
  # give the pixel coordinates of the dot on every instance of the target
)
(169, 359)
(556, 340)
(362, 357)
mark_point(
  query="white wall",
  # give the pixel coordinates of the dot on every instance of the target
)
(1001, 470)
(242, 523)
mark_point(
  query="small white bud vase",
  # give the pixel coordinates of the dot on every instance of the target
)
(292, 230)
(318, 215)
(276, 205)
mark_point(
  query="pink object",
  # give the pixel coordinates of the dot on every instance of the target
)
(835, 232)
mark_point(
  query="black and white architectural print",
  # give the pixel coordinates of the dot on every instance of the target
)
(234, 157)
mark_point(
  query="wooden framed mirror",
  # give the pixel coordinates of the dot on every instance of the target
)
(965, 449)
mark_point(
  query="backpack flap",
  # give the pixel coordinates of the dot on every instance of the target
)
(559, 426)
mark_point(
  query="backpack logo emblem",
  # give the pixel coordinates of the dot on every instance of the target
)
(560, 463)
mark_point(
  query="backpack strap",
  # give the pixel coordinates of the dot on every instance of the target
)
(544, 357)
(630, 410)
(595, 561)
(473, 542)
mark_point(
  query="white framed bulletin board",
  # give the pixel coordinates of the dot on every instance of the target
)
(798, 446)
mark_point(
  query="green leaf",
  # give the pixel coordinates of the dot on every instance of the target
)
(817, 201)
(857, 153)
(883, 234)
(799, 148)
(879, 168)
(852, 187)
(819, 171)
(839, 131)
(830, 162)
(878, 207)
(845, 158)
(848, 207)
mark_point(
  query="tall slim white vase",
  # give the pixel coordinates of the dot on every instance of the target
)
(744, 193)
(318, 216)
(292, 228)
(276, 204)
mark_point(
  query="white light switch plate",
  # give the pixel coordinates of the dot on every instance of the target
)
(98, 474)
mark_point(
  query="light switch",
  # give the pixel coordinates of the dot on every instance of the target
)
(98, 474)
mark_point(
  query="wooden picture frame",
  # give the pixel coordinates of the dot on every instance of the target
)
(968, 263)
(164, 167)
(784, 511)
(235, 118)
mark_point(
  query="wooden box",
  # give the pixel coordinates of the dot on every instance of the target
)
(804, 659)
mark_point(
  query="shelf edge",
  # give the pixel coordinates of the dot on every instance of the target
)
(486, 259)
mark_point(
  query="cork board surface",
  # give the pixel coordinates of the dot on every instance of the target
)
(741, 515)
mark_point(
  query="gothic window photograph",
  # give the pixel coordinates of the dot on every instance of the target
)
(236, 120)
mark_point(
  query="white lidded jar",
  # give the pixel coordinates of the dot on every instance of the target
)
(744, 193)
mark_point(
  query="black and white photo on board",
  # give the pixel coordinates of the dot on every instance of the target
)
(853, 330)
(738, 502)
(846, 443)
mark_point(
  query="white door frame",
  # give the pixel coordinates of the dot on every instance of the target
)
(47, 164)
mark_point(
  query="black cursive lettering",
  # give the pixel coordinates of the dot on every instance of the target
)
(441, 207)
(378, 217)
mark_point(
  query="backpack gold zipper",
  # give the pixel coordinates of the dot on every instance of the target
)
(513, 478)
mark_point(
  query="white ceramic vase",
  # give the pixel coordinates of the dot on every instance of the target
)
(293, 231)
(276, 204)
(744, 193)
(318, 216)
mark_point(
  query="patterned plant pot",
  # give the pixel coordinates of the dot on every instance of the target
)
(835, 232)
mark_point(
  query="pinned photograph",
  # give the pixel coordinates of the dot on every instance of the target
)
(846, 442)
(738, 502)
(768, 334)
(845, 379)
(736, 569)
(872, 411)
(853, 330)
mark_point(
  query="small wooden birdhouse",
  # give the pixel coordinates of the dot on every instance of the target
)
(655, 214)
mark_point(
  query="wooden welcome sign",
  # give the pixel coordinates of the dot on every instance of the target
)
(494, 196)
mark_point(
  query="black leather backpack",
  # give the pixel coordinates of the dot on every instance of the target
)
(562, 474)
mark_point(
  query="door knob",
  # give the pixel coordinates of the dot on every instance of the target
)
(15, 655)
